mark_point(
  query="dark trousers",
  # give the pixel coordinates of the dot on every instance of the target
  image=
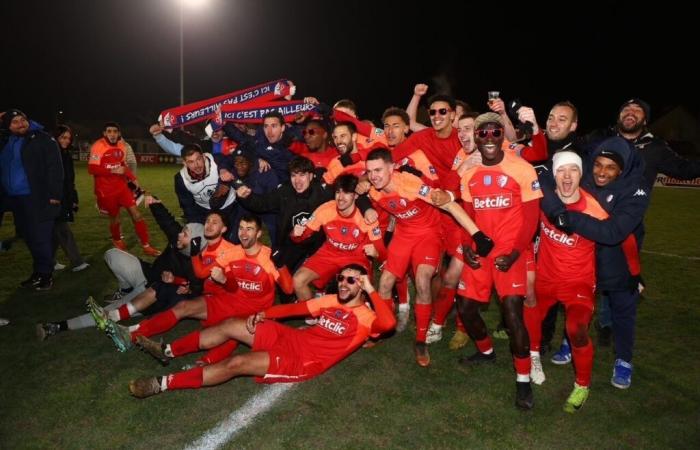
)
(37, 234)
(623, 308)
(63, 236)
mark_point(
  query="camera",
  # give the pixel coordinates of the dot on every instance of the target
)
(512, 107)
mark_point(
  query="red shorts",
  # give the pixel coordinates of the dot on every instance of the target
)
(569, 293)
(224, 306)
(288, 360)
(476, 284)
(327, 264)
(454, 236)
(110, 204)
(413, 250)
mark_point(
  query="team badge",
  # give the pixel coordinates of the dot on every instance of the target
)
(392, 204)
(502, 180)
(404, 162)
(376, 231)
(355, 233)
(402, 202)
(423, 191)
(343, 230)
(432, 170)
(536, 185)
(609, 198)
(487, 180)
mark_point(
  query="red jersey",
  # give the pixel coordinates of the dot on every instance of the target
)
(219, 254)
(410, 204)
(440, 152)
(497, 194)
(345, 236)
(254, 275)
(340, 329)
(563, 257)
(103, 158)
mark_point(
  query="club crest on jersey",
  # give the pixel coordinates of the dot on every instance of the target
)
(487, 180)
(343, 230)
(502, 180)
(609, 198)
(355, 232)
(392, 204)
(536, 185)
(403, 202)
(423, 190)
(376, 231)
(404, 162)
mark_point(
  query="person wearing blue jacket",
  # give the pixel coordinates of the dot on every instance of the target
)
(31, 183)
(616, 178)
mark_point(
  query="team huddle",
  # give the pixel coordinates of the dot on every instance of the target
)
(470, 205)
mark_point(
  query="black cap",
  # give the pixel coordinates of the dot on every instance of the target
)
(642, 104)
(9, 115)
(610, 154)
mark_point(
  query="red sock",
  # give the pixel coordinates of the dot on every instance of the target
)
(583, 363)
(402, 290)
(141, 231)
(533, 325)
(443, 304)
(522, 365)
(423, 313)
(220, 352)
(115, 230)
(189, 379)
(485, 344)
(460, 325)
(160, 323)
(123, 312)
(186, 344)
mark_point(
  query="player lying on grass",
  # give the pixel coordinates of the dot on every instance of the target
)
(279, 353)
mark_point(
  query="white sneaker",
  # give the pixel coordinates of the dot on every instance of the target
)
(536, 371)
(434, 333)
(59, 266)
(402, 317)
(83, 266)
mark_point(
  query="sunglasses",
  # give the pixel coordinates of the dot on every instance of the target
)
(495, 132)
(310, 132)
(349, 279)
(441, 111)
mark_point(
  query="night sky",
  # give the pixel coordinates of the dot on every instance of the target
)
(103, 59)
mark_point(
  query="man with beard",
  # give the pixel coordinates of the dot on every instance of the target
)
(246, 285)
(503, 195)
(108, 165)
(632, 120)
(345, 141)
(280, 353)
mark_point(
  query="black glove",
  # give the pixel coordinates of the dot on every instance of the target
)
(411, 170)
(195, 246)
(484, 244)
(563, 222)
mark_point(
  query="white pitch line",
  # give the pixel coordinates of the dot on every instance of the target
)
(692, 258)
(239, 419)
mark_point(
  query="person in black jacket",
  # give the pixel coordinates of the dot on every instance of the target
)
(146, 288)
(632, 119)
(31, 178)
(62, 234)
(616, 179)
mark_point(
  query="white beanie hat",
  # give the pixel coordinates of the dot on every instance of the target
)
(566, 157)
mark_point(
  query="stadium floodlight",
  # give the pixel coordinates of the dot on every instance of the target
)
(191, 5)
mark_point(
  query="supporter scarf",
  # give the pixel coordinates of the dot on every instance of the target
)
(253, 112)
(204, 109)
